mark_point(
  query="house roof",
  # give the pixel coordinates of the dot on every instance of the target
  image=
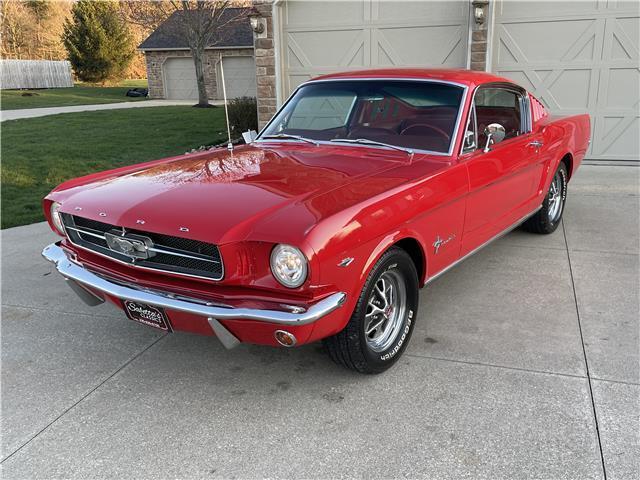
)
(170, 34)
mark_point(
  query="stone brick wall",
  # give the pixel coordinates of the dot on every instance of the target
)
(479, 50)
(157, 58)
(265, 64)
(479, 37)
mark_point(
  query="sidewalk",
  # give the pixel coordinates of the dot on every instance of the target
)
(42, 112)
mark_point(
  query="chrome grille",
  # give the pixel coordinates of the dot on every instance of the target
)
(170, 254)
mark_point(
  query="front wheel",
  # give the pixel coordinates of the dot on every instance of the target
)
(381, 325)
(547, 219)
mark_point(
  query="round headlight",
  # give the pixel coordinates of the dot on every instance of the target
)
(288, 265)
(56, 219)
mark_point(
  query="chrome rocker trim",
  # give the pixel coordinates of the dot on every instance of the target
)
(77, 277)
(511, 227)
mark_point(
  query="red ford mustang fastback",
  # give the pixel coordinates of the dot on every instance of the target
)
(364, 187)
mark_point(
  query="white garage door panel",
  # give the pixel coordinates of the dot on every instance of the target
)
(327, 13)
(339, 47)
(408, 11)
(577, 57)
(441, 46)
(180, 79)
(528, 8)
(325, 37)
(240, 77)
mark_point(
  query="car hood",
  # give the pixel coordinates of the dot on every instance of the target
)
(221, 196)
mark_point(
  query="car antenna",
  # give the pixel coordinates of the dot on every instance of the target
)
(226, 109)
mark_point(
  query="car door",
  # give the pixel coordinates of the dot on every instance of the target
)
(503, 177)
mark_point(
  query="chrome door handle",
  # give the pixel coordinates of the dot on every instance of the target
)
(536, 143)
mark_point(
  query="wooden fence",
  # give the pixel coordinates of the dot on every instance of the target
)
(35, 74)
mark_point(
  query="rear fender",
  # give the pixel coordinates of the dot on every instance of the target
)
(562, 137)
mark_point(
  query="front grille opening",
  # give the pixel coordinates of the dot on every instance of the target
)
(179, 255)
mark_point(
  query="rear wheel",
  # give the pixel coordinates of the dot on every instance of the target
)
(381, 325)
(547, 219)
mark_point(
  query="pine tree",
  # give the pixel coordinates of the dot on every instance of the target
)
(98, 42)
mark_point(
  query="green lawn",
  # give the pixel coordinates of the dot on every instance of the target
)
(80, 94)
(40, 153)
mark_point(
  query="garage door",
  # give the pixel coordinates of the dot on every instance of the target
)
(180, 79)
(577, 57)
(325, 37)
(240, 77)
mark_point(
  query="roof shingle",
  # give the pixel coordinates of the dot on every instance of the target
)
(170, 34)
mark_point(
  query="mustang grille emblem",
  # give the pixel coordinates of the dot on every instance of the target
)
(135, 246)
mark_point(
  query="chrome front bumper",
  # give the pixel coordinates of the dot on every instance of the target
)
(78, 276)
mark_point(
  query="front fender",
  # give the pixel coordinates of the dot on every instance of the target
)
(386, 242)
(351, 278)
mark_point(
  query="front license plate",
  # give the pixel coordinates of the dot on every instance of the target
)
(147, 314)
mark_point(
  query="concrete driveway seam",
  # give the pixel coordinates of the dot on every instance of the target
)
(493, 365)
(80, 314)
(608, 380)
(584, 351)
(593, 250)
(84, 397)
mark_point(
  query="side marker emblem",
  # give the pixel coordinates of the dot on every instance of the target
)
(345, 262)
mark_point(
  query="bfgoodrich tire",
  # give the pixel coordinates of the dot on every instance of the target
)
(547, 219)
(380, 328)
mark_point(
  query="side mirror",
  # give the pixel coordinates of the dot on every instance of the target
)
(249, 136)
(495, 134)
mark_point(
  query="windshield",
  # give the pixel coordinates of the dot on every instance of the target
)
(408, 114)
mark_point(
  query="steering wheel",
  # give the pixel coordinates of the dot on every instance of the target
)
(439, 131)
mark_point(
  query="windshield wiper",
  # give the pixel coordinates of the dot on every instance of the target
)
(366, 141)
(293, 137)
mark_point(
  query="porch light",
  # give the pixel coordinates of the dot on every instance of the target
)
(255, 19)
(479, 10)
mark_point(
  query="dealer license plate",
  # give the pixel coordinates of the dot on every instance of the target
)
(147, 315)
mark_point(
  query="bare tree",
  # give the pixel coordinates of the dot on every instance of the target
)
(32, 30)
(200, 21)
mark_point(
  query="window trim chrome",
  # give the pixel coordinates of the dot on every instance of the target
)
(472, 110)
(525, 113)
(454, 136)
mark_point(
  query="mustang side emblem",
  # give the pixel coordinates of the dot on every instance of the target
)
(439, 242)
(135, 246)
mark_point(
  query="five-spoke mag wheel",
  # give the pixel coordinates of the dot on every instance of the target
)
(386, 310)
(555, 197)
(547, 219)
(383, 319)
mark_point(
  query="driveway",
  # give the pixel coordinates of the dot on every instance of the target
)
(524, 364)
(43, 112)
